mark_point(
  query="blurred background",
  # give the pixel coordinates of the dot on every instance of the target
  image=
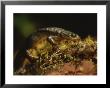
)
(83, 24)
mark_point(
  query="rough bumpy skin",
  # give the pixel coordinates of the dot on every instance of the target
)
(56, 51)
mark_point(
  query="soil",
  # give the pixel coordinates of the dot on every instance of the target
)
(86, 67)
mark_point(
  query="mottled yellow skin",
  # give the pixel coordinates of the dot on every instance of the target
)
(50, 51)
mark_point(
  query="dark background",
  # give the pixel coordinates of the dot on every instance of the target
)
(83, 24)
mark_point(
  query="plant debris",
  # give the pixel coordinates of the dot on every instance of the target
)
(55, 51)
